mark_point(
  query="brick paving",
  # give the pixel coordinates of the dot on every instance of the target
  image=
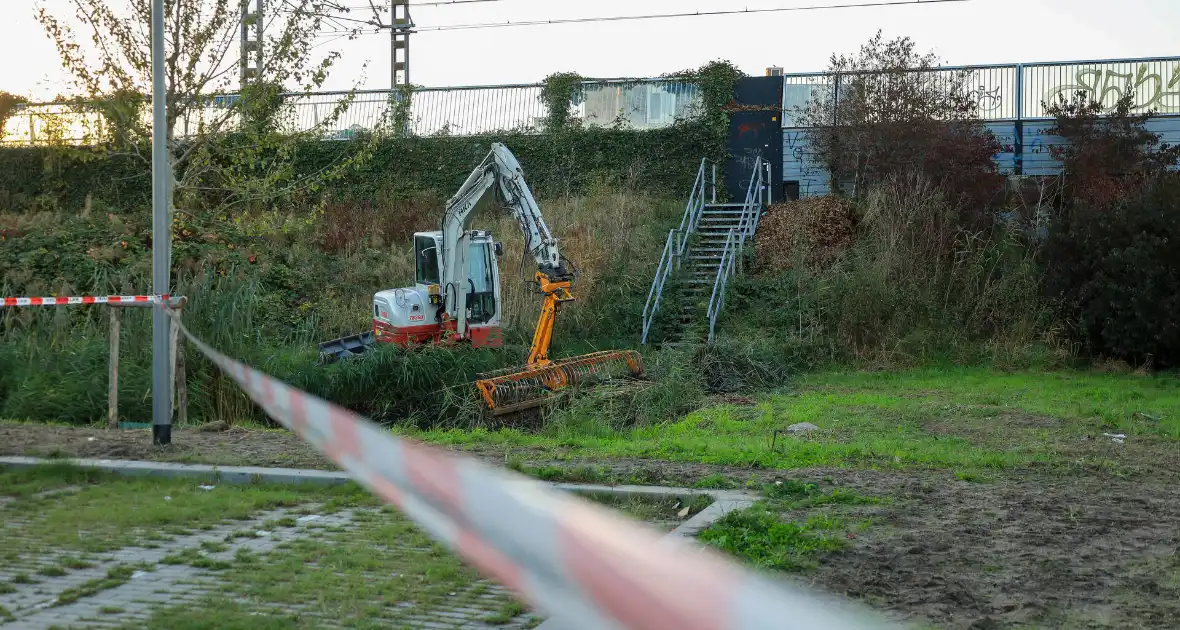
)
(154, 584)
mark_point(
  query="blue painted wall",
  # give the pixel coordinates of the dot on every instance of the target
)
(1010, 94)
(799, 164)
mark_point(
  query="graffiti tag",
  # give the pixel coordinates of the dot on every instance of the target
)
(1108, 86)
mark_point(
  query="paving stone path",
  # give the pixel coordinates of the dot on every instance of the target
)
(41, 598)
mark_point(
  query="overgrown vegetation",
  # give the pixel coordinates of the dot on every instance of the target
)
(926, 257)
(1113, 252)
(933, 257)
(914, 286)
(267, 288)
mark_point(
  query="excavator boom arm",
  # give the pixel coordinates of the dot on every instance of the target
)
(499, 172)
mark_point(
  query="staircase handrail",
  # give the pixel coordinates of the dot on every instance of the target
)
(656, 291)
(721, 280)
(735, 242)
(677, 242)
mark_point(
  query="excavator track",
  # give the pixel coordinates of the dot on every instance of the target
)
(514, 390)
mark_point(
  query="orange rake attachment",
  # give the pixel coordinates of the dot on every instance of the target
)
(517, 389)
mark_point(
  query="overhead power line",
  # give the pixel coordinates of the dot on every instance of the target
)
(655, 16)
(384, 4)
(622, 18)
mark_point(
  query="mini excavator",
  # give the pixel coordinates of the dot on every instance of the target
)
(456, 296)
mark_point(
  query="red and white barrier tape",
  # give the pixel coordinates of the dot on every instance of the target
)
(86, 299)
(564, 555)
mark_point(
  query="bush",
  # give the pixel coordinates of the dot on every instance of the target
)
(1112, 254)
(1117, 266)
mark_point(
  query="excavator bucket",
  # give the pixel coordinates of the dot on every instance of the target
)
(517, 389)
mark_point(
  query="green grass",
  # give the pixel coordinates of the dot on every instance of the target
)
(959, 418)
(64, 508)
(76, 563)
(115, 577)
(768, 535)
(507, 612)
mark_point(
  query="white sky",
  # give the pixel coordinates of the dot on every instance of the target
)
(978, 31)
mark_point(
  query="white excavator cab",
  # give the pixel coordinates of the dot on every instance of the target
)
(415, 315)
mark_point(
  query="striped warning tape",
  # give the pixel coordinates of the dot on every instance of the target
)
(592, 568)
(85, 299)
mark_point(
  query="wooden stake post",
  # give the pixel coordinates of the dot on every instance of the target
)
(113, 380)
(177, 375)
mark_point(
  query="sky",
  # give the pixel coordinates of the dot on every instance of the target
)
(971, 32)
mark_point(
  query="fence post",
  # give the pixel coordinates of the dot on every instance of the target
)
(1018, 149)
(714, 183)
(180, 378)
(182, 385)
(113, 379)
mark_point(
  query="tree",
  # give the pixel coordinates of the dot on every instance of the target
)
(888, 110)
(1106, 157)
(235, 144)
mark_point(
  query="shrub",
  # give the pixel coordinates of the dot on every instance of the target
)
(1112, 251)
(1117, 266)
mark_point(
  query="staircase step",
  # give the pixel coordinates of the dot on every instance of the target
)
(709, 206)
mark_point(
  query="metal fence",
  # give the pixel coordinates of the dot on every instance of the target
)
(469, 110)
(1022, 91)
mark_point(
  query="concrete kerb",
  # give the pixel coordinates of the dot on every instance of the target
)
(723, 502)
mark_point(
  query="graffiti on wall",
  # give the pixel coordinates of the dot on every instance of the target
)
(989, 99)
(1153, 90)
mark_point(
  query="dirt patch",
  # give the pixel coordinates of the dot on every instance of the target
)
(237, 447)
(1082, 552)
(1076, 549)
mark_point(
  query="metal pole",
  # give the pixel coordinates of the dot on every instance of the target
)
(393, 48)
(161, 237)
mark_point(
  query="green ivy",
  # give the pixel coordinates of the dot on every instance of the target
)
(716, 81)
(659, 161)
(565, 159)
(558, 92)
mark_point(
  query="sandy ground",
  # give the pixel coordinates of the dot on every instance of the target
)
(1081, 549)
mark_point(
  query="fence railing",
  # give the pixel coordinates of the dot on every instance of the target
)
(465, 110)
(677, 242)
(733, 253)
(1020, 91)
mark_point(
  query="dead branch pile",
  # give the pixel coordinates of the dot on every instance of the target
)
(815, 228)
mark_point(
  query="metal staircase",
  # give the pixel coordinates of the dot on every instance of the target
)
(711, 238)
